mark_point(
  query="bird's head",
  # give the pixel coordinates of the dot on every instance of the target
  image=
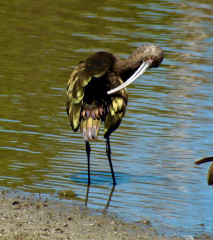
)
(145, 57)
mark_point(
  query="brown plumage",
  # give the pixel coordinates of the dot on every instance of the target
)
(89, 97)
(87, 101)
(210, 171)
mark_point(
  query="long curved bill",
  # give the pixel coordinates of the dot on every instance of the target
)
(204, 160)
(142, 69)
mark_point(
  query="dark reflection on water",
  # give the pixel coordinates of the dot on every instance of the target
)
(99, 178)
(167, 126)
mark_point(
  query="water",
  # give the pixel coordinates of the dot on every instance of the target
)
(167, 126)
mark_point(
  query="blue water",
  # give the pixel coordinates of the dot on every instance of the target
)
(167, 126)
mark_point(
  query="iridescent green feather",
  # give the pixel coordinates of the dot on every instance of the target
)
(116, 111)
(79, 78)
(75, 93)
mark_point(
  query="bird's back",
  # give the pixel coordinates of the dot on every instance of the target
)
(87, 101)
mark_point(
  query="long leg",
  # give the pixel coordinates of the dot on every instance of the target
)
(88, 150)
(108, 151)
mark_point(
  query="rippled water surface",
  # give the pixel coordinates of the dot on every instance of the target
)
(169, 120)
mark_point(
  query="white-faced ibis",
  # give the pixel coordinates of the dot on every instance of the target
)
(96, 92)
(210, 171)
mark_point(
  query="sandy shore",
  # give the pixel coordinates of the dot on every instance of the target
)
(31, 219)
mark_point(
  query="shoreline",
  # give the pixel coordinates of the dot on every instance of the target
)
(30, 218)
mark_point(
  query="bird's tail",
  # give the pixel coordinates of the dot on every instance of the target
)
(90, 124)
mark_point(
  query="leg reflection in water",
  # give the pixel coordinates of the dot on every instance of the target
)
(109, 199)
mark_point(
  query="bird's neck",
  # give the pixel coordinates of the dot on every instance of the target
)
(126, 68)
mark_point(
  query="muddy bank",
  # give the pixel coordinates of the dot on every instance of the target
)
(32, 219)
